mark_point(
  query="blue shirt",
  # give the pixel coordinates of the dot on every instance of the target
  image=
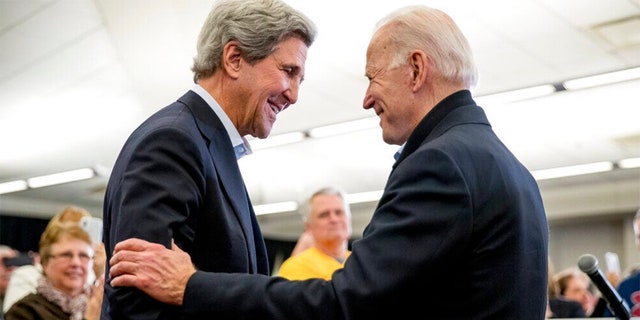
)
(629, 290)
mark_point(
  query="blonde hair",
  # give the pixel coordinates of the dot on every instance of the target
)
(562, 278)
(55, 232)
(68, 214)
(60, 224)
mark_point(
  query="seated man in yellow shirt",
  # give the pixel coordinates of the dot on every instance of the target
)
(329, 222)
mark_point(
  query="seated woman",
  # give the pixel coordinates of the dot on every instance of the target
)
(66, 256)
(24, 279)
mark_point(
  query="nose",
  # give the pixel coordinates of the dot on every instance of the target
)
(76, 259)
(335, 215)
(291, 94)
(368, 101)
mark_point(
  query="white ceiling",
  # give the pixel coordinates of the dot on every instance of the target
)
(77, 76)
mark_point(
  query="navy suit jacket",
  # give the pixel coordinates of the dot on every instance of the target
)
(177, 177)
(460, 232)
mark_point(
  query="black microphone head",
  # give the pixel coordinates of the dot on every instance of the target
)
(588, 263)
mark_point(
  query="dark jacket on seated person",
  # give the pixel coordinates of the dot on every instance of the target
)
(565, 308)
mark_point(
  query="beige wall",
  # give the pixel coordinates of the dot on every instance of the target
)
(569, 239)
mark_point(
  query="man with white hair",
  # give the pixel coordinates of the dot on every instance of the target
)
(328, 220)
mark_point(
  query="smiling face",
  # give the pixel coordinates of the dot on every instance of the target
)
(389, 92)
(269, 86)
(68, 264)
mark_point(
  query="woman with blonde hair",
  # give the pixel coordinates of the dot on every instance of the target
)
(66, 256)
(24, 279)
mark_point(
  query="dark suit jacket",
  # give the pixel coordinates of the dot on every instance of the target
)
(459, 233)
(177, 178)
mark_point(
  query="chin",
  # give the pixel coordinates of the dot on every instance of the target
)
(388, 140)
(264, 133)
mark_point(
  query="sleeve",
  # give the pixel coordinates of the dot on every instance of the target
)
(420, 229)
(416, 232)
(285, 269)
(295, 268)
(160, 187)
(23, 281)
(27, 309)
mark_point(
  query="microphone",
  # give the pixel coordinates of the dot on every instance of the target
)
(589, 265)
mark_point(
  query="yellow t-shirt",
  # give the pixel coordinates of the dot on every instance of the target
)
(311, 263)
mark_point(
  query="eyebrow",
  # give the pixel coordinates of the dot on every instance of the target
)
(72, 251)
(370, 72)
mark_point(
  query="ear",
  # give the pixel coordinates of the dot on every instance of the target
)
(232, 58)
(418, 61)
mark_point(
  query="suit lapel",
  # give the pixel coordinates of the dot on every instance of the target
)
(226, 166)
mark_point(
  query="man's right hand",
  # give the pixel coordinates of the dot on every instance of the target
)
(159, 272)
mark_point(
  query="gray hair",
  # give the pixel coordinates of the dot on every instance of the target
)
(325, 191)
(257, 25)
(435, 33)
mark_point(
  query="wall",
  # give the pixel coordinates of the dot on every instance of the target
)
(611, 233)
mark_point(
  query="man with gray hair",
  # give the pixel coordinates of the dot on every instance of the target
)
(177, 176)
(460, 231)
(328, 220)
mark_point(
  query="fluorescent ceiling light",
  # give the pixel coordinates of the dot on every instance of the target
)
(102, 171)
(362, 197)
(276, 140)
(62, 177)
(13, 186)
(629, 163)
(277, 207)
(572, 170)
(291, 206)
(344, 127)
(517, 95)
(603, 79)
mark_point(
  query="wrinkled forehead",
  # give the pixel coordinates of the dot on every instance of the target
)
(380, 47)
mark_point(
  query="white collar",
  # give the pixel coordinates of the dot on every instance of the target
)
(241, 146)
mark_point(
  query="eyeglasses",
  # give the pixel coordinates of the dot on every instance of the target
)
(68, 256)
